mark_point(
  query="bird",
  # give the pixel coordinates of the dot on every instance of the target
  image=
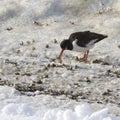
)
(81, 42)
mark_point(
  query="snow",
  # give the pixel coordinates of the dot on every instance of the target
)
(28, 30)
(13, 106)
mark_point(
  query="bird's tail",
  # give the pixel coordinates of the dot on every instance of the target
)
(101, 37)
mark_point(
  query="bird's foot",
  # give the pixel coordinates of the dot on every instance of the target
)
(83, 59)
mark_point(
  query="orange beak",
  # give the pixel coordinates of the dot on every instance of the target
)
(61, 53)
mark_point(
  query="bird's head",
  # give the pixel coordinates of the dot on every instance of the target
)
(65, 45)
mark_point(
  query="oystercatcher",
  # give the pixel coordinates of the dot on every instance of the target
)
(81, 42)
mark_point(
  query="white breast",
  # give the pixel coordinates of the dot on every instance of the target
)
(81, 49)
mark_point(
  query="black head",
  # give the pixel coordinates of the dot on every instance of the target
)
(66, 45)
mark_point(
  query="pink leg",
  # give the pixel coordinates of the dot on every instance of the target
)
(84, 58)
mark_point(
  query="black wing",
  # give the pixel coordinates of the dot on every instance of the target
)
(84, 38)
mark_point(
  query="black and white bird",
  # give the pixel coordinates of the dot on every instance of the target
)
(81, 42)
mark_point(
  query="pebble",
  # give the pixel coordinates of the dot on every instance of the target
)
(37, 23)
(9, 28)
(18, 51)
(28, 42)
(118, 46)
(47, 46)
(33, 40)
(33, 48)
(97, 61)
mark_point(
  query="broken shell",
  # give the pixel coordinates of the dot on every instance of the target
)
(18, 51)
(54, 41)
(75, 58)
(117, 72)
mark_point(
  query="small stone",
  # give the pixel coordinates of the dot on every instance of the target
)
(16, 78)
(46, 76)
(52, 59)
(28, 42)
(39, 82)
(118, 46)
(70, 68)
(87, 79)
(31, 85)
(17, 73)
(18, 51)
(22, 43)
(72, 23)
(9, 28)
(33, 40)
(48, 65)
(53, 65)
(6, 61)
(33, 48)
(100, 12)
(97, 61)
(37, 23)
(108, 72)
(56, 72)
(107, 93)
(47, 46)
